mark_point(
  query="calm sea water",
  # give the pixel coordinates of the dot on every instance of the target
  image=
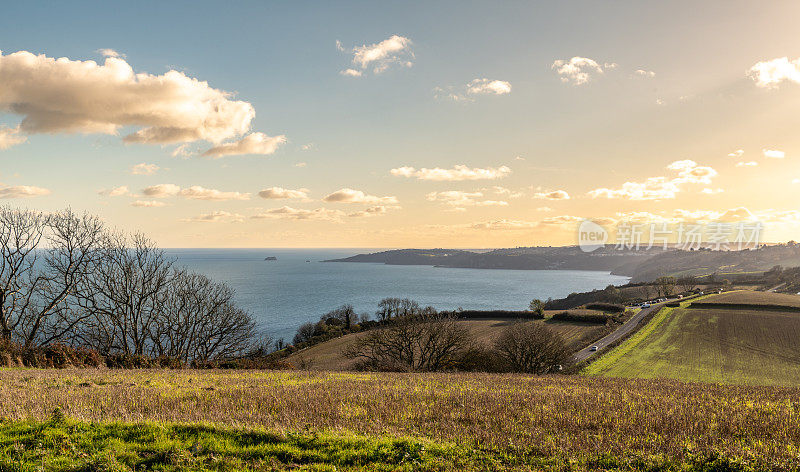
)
(285, 293)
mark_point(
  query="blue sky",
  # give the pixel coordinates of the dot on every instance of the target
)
(553, 134)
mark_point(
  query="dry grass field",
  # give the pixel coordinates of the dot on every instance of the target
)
(738, 345)
(745, 297)
(347, 421)
(329, 355)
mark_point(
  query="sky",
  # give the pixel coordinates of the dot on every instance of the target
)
(407, 124)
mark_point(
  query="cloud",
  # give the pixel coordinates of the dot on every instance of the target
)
(148, 203)
(105, 52)
(10, 136)
(216, 217)
(519, 158)
(506, 192)
(279, 193)
(290, 213)
(184, 150)
(161, 190)
(773, 153)
(348, 195)
(660, 188)
(351, 73)
(301, 164)
(579, 70)
(377, 210)
(770, 74)
(552, 195)
(506, 225)
(144, 169)
(457, 173)
(737, 153)
(747, 164)
(22, 191)
(380, 56)
(648, 74)
(115, 192)
(197, 192)
(254, 143)
(712, 191)
(72, 96)
(476, 87)
(460, 199)
(307, 147)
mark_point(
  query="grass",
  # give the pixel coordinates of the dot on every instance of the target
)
(757, 299)
(740, 345)
(328, 355)
(244, 420)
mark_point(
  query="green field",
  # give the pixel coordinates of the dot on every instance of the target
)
(101, 420)
(727, 345)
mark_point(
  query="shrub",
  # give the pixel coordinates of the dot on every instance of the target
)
(607, 307)
(582, 317)
(531, 348)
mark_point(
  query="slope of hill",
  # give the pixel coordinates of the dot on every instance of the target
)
(749, 343)
(642, 265)
(329, 354)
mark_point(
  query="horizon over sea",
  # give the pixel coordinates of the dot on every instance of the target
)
(285, 293)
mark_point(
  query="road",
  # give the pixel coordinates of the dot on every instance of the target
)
(626, 328)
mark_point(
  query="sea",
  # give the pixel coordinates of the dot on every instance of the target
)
(299, 287)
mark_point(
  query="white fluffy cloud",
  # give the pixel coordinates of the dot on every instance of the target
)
(10, 136)
(195, 192)
(148, 203)
(648, 74)
(552, 195)
(773, 153)
(216, 217)
(737, 153)
(144, 169)
(279, 193)
(476, 87)
(579, 70)
(457, 173)
(22, 191)
(378, 57)
(770, 74)
(116, 191)
(253, 143)
(348, 195)
(460, 199)
(660, 188)
(161, 190)
(746, 164)
(289, 213)
(71, 96)
(506, 225)
(377, 210)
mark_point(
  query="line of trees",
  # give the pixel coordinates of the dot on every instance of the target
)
(66, 278)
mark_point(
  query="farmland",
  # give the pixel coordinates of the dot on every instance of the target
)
(737, 337)
(237, 420)
(329, 355)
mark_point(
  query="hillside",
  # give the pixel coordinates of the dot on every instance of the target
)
(111, 420)
(737, 337)
(329, 354)
(641, 265)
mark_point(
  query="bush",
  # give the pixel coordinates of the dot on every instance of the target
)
(607, 307)
(582, 317)
(478, 314)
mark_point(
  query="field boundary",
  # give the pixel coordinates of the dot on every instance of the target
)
(743, 306)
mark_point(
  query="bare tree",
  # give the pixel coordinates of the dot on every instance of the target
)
(126, 295)
(414, 343)
(531, 347)
(38, 284)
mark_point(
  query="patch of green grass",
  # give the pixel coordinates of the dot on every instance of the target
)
(720, 345)
(64, 445)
